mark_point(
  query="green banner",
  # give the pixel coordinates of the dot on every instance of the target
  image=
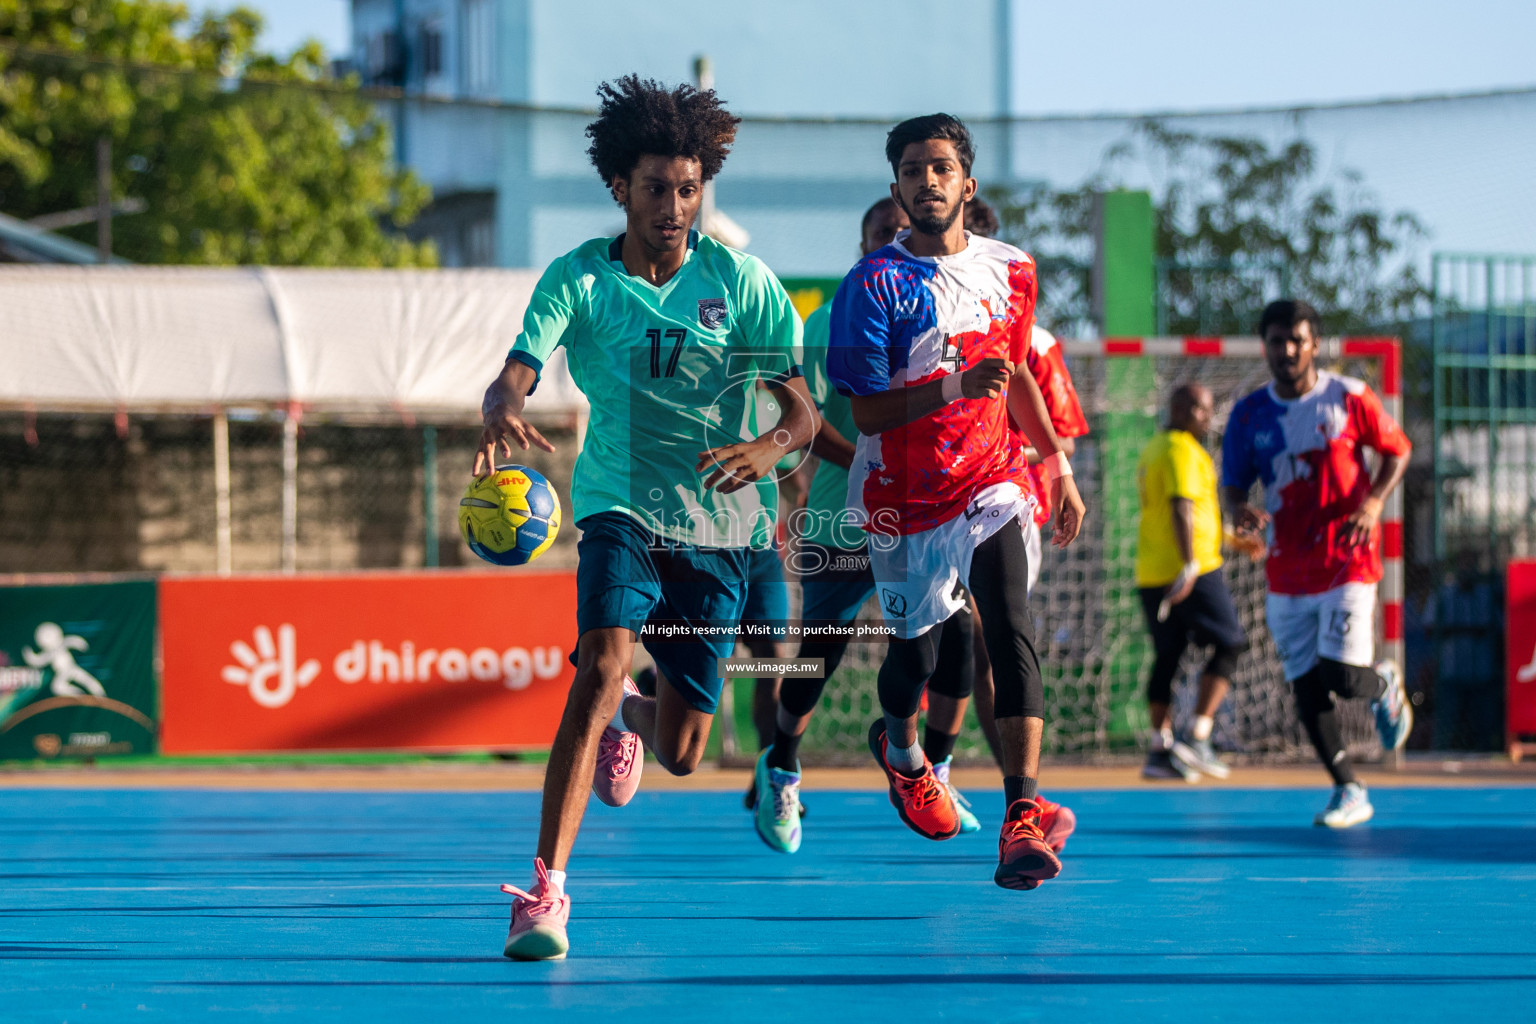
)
(77, 670)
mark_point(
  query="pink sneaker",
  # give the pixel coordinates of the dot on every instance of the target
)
(620, 757)
(538, 919)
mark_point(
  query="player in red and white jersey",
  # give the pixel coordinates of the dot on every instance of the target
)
(1304, 437)
(929, 338)
(950, 692)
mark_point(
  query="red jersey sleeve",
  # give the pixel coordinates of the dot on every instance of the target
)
(1024, 327)
(1376, 428)
(1055, 381)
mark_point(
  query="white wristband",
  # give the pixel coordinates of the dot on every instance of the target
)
(950, 389)
(1057, 465)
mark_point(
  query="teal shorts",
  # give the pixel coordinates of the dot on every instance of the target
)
(683, 602)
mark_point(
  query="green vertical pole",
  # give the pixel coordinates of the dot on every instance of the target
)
(429, 494)
(1127, 300)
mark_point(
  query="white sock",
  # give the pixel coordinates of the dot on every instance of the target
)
(907, 759)
(618, 716)
(558, 879)
(1162, 739)
(1202, 727)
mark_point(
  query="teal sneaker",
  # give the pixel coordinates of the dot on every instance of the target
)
(777, 815)
(1393, 709)
(968, 822)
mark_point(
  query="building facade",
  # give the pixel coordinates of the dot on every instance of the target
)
(497, 94)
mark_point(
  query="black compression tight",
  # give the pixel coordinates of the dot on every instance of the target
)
(1000, 583)
(905, 671)
(800, 696)
(1315, 707)
(955, 674)
(1165, 669)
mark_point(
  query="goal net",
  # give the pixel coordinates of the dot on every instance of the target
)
(1095, 651)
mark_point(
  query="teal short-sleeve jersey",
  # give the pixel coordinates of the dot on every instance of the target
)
(669, 372)
(827, 518)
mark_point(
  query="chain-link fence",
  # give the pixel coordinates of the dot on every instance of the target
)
(104, 493)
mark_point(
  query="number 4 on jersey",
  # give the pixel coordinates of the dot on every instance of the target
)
(954, 356)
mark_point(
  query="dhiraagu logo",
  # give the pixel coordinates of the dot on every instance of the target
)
(272, 671)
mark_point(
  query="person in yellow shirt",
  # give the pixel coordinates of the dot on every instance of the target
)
(1178, 570)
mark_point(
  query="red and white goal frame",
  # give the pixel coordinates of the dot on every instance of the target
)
(1387, 382)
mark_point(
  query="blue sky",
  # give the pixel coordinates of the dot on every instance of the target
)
(1130, 55)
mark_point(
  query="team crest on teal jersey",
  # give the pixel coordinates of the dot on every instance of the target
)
(712, 313)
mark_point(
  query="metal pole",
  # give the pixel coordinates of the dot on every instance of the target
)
(104, 199)
(225, 540)
(704, 79)
(290, 558)
(429, 494)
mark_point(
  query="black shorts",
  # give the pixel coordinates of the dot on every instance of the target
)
(1206, 616)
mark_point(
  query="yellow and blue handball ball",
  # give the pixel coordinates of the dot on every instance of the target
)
(511, 516)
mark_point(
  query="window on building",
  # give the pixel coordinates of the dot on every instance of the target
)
(480, 244)
(381, 59)
(479, 47)
(431, 49)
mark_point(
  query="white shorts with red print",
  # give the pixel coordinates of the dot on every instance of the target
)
(1338, 624)
(918, 576)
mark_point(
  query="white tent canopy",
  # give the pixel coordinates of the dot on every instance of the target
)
(162, 338)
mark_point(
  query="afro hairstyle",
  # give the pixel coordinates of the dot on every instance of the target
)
(638, 117)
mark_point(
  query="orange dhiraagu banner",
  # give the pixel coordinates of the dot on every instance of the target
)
(386, 660)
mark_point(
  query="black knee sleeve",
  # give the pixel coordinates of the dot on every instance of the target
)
(1313, 696)
(1314, 706)
(1164, 671)
(1224, 660)
(955, 674)
(908, 665)
(1352, 682)
(999, 582)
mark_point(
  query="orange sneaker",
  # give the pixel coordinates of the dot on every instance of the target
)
(923, 803)
(1057, 822)
(1024, 858)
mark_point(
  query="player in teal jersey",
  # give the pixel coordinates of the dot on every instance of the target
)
(667, 334)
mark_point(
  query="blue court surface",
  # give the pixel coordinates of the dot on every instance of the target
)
(1175, 905)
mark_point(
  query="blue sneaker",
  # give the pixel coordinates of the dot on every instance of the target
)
(968, 822)
(1393, 711)
(1350, 805)
(777, 815)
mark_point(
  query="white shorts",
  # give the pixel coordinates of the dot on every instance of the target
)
(1033, 548)
(1338, 624)
(917, 576)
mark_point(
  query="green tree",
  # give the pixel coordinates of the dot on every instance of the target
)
(1237, 224)
(239, 156)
